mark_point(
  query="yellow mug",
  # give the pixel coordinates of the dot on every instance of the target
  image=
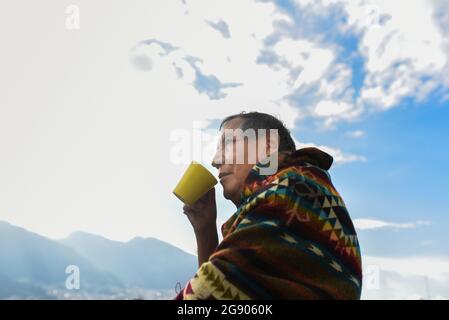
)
(195, 182)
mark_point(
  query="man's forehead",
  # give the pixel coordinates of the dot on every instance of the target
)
(232, 130)
(231, 127)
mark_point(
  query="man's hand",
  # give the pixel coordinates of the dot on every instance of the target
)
(203, 216)
(203, 213)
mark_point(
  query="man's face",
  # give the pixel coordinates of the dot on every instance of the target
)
(232, 173)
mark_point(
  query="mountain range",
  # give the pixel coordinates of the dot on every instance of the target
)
(34, 267)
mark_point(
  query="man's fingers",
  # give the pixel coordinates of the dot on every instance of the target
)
(200, 203)
(187, 209)
(212, 193)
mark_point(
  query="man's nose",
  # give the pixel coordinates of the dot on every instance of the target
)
(215, 164)
(217, 161)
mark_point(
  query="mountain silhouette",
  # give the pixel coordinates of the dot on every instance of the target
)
(33, 266)
(141, 262)
(37, 260)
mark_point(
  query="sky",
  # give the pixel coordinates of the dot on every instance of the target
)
(96, 95)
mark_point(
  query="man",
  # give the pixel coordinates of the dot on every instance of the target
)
(291, 236)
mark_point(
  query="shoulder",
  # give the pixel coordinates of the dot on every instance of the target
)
(299, 174)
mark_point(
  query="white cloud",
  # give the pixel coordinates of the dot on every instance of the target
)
(415, 277)
(355, 133)
(339, 156)
(369, 224)
(312, 60)
(401, 58)
(229, 60)
(329, 108)
(313, 71)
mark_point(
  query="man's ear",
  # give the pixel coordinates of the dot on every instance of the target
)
(267, 143)
(269, 165)
(272, 144)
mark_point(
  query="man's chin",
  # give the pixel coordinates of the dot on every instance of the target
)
(227, 193)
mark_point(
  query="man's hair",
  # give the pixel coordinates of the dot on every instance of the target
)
(258, 120)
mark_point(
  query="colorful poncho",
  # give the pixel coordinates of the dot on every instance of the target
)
(290, 238)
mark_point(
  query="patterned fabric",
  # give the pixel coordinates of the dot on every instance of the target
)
(290, 238)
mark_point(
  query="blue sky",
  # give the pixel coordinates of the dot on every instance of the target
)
(88, 115)
(404, 179)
